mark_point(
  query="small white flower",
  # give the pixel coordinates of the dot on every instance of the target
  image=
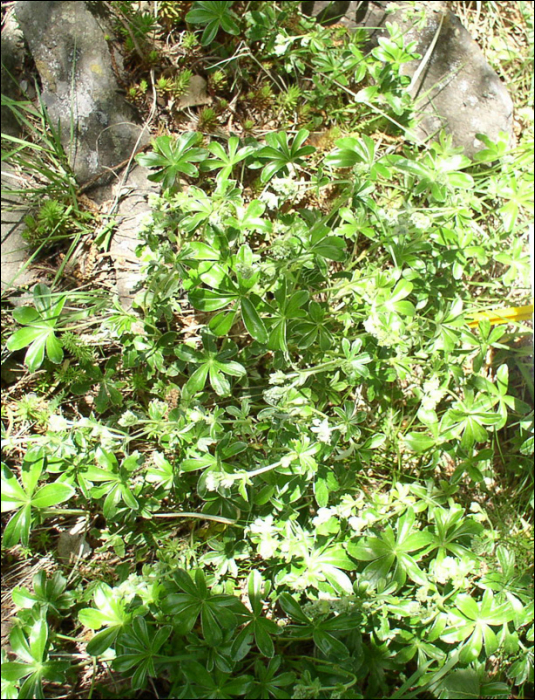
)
(57, 424)
(227, 480)
(357, 523)
(323, 515)
(287, 187)
(281, 44)
(268, 547)
(128, 418)
(322, 430)
(420, 221)
(277, 377)
(212, 481)
(370, 324)
(270, 199)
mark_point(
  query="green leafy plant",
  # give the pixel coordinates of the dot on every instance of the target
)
(49, 594)
(309, 444)
(173, 157)
(213, 365)
(27, 499)
(194, 600)
(41, 322)
(473, 625)
(34, 665)
(111, 613)
(225, 161)
(140, 645)
(215, 16)
(393, 550)
(239, 294)
(114, 480)
(281, 155)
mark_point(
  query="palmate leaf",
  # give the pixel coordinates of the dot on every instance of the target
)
(322, 631)
(194, 600)
(141, 644)
(251, 218)
(393, 549)
(289, 307)
(39, 334)
(470, 417)
(173, 157)
(32, 648)
(48, 594)
(25, 498)
(226, 161)
(474, 625)
(109, 612)
(213, 365)
(279, 153)
(214, 15)
(258, 627)
(349, 151)
(115, 481)
(209, 300)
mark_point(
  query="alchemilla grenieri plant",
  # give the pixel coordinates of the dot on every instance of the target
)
(293, 442)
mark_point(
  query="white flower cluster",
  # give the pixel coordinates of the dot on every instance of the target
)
(432, 394)
(420, 221)
(275, 396)
(385, 335)
(327, 604)
(270, 199)
(277, 378)
(324, 514)
(282, 44)
(107, 439)
(322, 430)
(287, 187)
(283, 249)
(132, 586)
(57, 423)
(215, 479)
(452, 569)
(363, 521)
(264, 535)
(281, 190)
(128, 418)
(212, 481)
(157, 409)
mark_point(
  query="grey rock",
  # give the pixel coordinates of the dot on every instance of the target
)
(15, 254)
(12, 57)
(326, 12)
(72, 545)
(196, 93)
(132, 210)
(130, 197)
(348, 13)
(79, 86)
(457, 89)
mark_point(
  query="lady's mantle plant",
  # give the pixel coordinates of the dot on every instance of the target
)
(301, 382)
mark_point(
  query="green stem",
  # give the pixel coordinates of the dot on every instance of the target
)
(199, 516)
